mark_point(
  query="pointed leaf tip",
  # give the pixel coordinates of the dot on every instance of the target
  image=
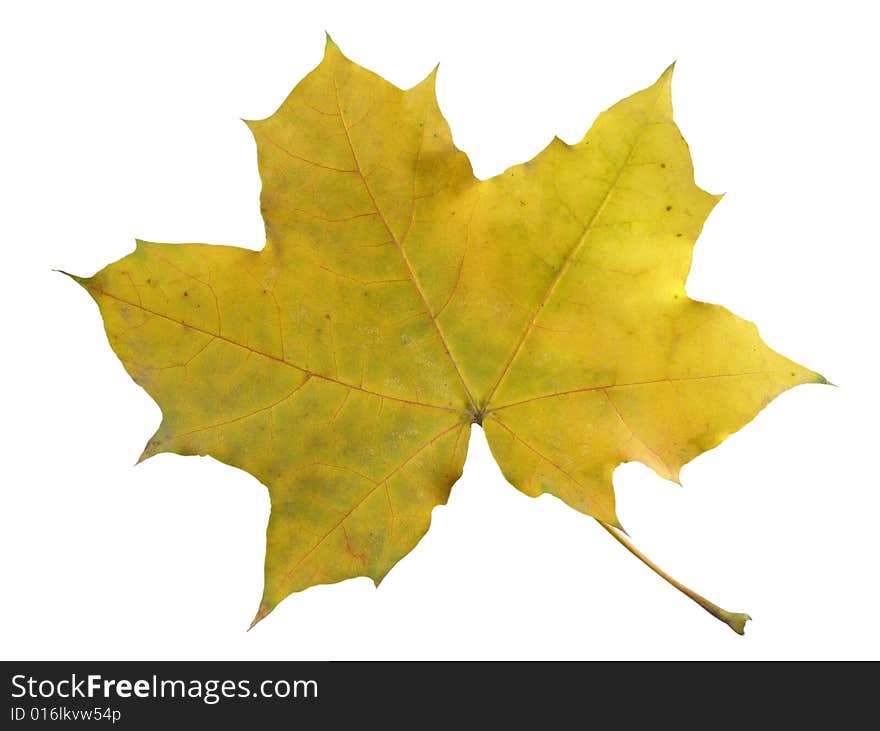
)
(261, 614)
(430, 81)
(666, 76)
(330, 45)
(613, 523)
(82, 281)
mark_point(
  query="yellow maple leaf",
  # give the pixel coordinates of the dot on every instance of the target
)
(399, 300)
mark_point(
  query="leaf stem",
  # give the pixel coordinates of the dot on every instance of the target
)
(735, 620)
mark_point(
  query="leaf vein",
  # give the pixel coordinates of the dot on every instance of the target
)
(369, 493)
(275, 358)
(607, 386)
(399, 244)
(573, 252)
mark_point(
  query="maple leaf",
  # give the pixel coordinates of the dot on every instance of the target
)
(399, 300)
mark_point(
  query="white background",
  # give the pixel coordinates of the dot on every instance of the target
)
(120, 122)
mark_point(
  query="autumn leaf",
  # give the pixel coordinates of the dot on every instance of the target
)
(399, 300)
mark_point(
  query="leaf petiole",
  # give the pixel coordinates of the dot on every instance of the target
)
(735, 620)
